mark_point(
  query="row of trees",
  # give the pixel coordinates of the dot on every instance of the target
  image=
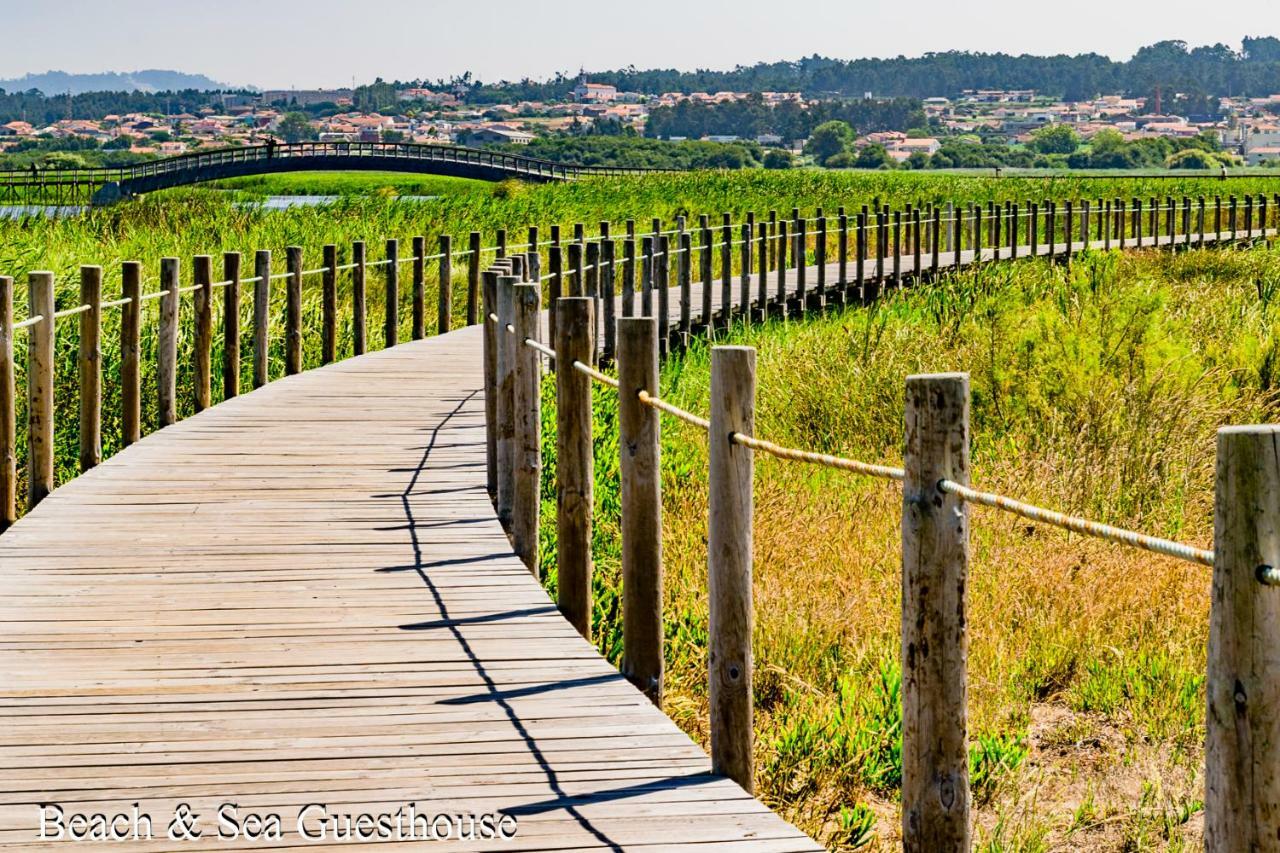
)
(1058, 146)
(1202, 72)
(636, 152)
(752, 117)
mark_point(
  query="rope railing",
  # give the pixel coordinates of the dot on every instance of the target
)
(935, 521)
(1120, 217)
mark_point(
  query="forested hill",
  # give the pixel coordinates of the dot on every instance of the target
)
(1215, 70)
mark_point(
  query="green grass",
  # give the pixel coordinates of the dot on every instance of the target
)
(1096, 390)
(352, 184)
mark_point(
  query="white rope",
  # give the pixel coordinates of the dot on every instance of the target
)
(840, 462)
(662, 405)
(540, 347)
(27, 323)
(150, 296)
(1080, 525)
(116, 303)
(595, 374)
(71, 312)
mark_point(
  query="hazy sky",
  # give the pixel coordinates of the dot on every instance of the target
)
(307, 43)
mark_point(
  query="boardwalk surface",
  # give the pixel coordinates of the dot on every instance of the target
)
(303, 596)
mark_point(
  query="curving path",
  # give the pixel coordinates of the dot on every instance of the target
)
(303, 595)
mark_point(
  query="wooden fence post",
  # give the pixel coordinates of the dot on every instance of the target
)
(762, 271)
(505, 400)
(726, 270)
(230, 325)
(8, 411)
(90, 367)
(935, 557)
(706, 273)
(608, 291)
(130, 364)
(419, 285)
(489, 359)
(527, 449)
(261, 318)
(729, 563)
(473, 277)
(391, 299)
(329, 304)
(745, 256)
(40, 384)
(1242, 754)
(640, 471)
(575, 463)
(202, 300)
(167, 343)
(685, 275)
(661, 278)
(780, 256)
(359, 320)
(444, 311)
(293, 311)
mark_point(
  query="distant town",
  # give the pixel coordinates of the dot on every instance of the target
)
(1028, 128)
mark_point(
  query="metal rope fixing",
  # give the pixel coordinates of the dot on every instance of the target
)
(1080, 525)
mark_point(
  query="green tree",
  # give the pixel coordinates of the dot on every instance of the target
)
(1055, 139)
(829, 139)
(777, 158)
(873, 157)
(296, 127)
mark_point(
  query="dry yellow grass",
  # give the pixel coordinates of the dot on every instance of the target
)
(1097, 391)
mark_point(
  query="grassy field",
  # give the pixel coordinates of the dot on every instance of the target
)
(352, 183)
(1096, 391)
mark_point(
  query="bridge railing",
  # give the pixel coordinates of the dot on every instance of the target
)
(198, 160)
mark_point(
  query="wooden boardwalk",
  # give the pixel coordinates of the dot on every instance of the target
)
(301, 596)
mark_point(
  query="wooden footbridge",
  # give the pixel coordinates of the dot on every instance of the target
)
(105, 185)
(300, 602)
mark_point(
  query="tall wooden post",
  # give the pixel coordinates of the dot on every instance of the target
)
(726, 271)
(230, 325)
(842, 249)
(762, 271)
(800, 257)
(8, 411)
(640, 470)
(662, 275)
(391, 298)
(608, 295)
(935, 558)
(329, 304)
(90, 367)
(40, 383)
(685, 275)
(575, 462)
(707, 278)
(444, 310)
(820, 295)
(744, 272)
(167, 343)
(293, 311)
(130, 353)
(629, 277)
(473, 277)
(646, 276)
(555, 286)
(261, 317)
(780, 255)
(729, 563)
(526, 398)
(202, 300)
(418, 323)
(505, 400)
(359, 311)
(489, 360)
(1242, 754)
